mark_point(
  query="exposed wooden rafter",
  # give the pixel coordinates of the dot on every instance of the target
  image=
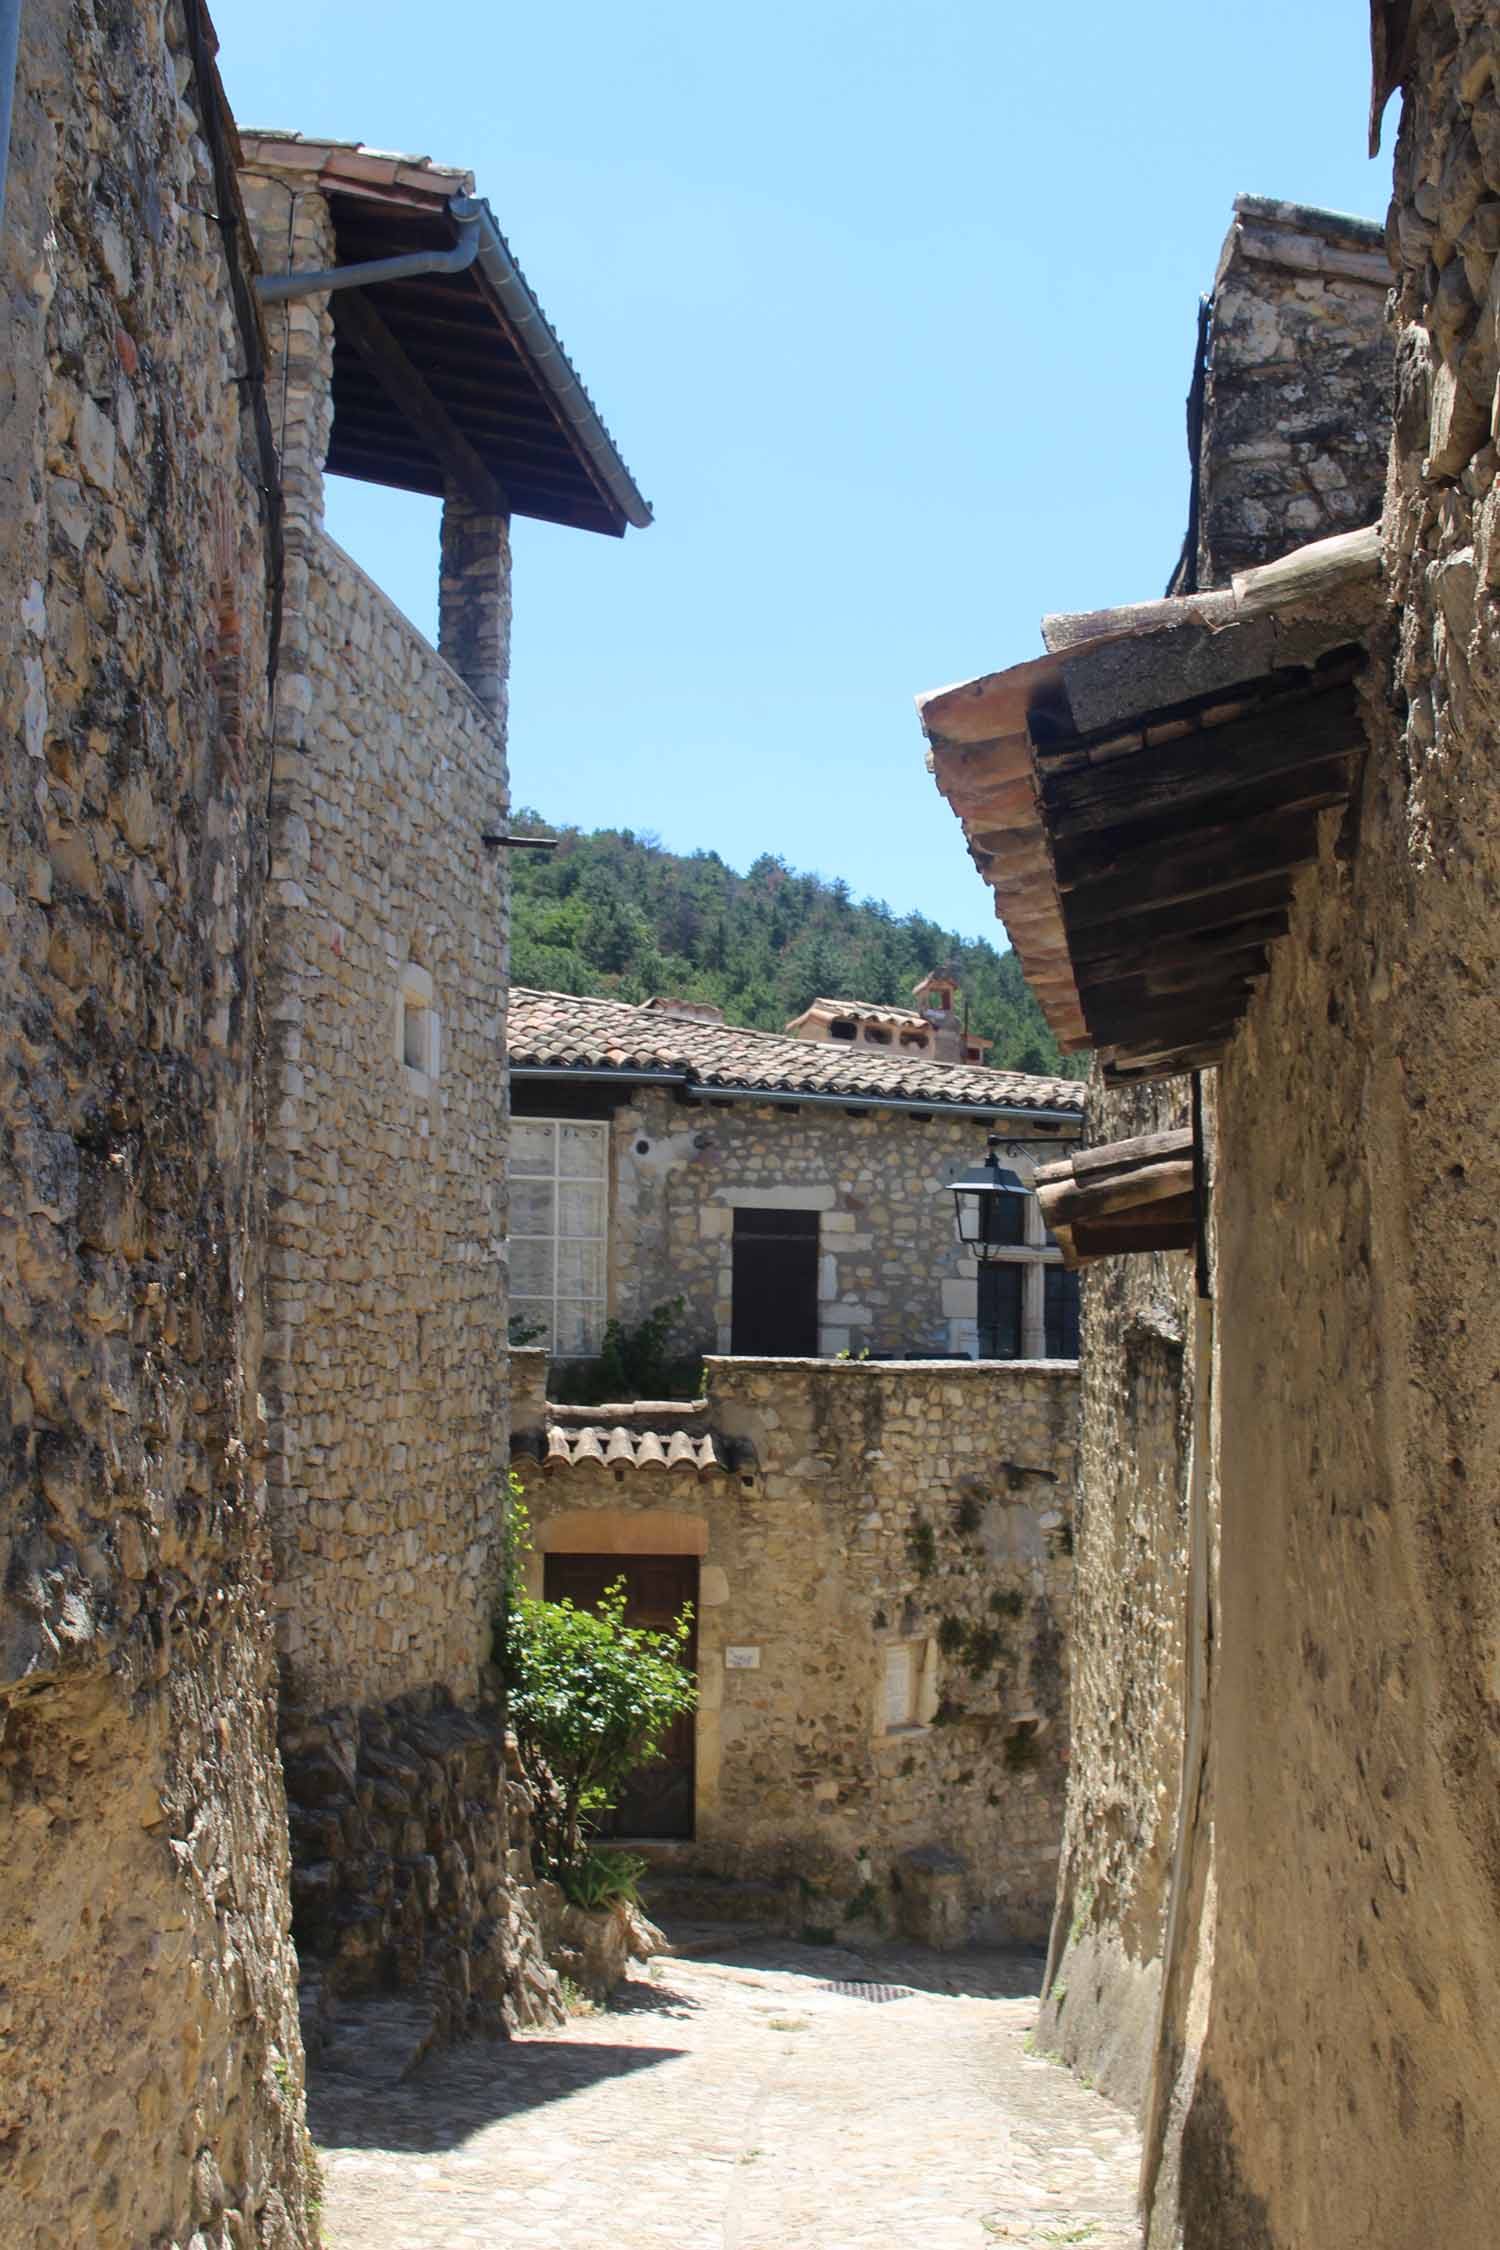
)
(357, 320)
(1142, 799)
(1129, 1195)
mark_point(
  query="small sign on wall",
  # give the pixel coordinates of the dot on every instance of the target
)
(742, 1659)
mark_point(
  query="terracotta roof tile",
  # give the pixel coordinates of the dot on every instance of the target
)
(557, 1031)
(614, 1446)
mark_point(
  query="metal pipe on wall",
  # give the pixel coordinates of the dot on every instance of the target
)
(10, 46)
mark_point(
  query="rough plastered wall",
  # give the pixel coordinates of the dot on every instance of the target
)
(387, 1284)
(1296, 409)
(925, 1505)
(151, 2086)
(1345, 2091)
(1129, 1621)
(893, 1276)
(1293, 447)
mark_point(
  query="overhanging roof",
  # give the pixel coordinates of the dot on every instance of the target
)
(478, 342)
(1141, 798)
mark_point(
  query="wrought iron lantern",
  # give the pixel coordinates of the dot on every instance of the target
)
(991, 1206)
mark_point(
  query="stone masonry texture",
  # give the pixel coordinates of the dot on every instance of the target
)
(1297, 399)
(386, 1291)
(1129, 1617)
(872, 1506)
(893, 1277)
(153, 2066)
(1327, 2056)
(1356, 1806)
(386, 1299)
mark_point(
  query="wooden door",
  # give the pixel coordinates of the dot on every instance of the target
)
(775, 1295)
(658, 1799)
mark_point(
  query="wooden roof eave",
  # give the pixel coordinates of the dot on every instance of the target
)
(1124, 1197)
(1153, 783)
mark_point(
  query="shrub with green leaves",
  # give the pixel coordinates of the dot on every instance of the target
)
(590, 1699)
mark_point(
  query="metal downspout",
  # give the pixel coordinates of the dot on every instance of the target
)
(10, 44)
(282, 288)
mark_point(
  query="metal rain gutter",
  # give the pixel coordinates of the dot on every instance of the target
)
(10, 43)
(282, 288)
(550, 361)
(791, 1099)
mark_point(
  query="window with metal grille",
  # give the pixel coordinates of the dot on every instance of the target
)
(1061, 1312)
(559, 1218)
(1002, 1304)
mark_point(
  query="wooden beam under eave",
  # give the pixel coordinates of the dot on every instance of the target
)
(407, 389)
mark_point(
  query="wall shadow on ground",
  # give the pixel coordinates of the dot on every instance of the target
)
(458, 2091)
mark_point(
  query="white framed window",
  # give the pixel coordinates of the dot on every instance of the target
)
(418, 1032)
(559, 1230)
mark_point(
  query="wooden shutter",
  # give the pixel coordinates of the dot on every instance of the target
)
(775, 1299)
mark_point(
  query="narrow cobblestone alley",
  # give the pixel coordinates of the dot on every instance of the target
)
(749, 2094)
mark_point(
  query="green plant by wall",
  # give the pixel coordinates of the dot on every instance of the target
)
(590, 1699)
(921, 1546)
(605, 1877)
(634, 1361)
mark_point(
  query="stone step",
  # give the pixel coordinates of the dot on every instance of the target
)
(377, 2039)
(670, 1895)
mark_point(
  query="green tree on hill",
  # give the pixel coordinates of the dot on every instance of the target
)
(612, 913)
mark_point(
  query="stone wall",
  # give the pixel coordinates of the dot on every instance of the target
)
(1129, 1622)
(866, 1508)
(152, 2082)
(1296, 409)
(1293, 446)
(893, 1276)
(387, 1291)
(1344, 2089)
(386, 978)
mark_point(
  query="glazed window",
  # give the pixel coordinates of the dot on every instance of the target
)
(559, 1217)
(1027, 1301)
(417, 1028)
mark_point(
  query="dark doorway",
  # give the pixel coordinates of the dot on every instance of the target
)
(775, 1303)
(658, 1799)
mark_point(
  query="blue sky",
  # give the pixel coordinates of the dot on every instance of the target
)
(890, 306)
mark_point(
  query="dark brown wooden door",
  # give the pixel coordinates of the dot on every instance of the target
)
(775, 1299)
(658, 1799)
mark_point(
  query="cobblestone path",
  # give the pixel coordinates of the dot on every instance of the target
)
(749, 2095)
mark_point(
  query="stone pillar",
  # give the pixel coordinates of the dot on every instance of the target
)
(474, 601)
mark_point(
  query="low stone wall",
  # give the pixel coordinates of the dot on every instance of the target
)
(412, 1866)
(883, 1621)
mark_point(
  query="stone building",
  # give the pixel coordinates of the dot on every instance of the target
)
(874, 1543)
(152, 2080)
(1278, 1916)
(406, 349)
(877, 1559)
(792, 1193)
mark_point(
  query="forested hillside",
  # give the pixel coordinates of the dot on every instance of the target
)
(613, 913)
